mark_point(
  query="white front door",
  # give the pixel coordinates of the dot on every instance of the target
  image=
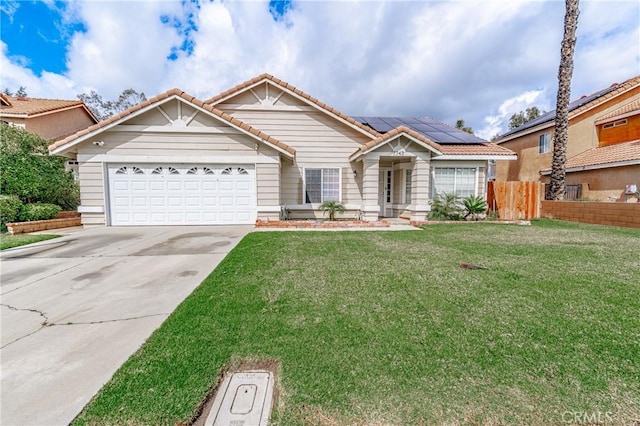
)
(385, 186)
(181, 194)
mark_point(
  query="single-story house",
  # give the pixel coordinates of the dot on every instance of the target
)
(244, 154)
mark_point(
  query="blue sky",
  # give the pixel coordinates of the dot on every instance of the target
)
(476, 60)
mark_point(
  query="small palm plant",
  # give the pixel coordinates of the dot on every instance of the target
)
(474, 205)
(332, 207)
(446, 207)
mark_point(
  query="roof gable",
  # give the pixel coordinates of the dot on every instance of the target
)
(627, 110)
(621, 154)
(393, 135)
(154, 108)
(290, 92)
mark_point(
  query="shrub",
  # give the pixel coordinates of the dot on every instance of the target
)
(474, 205)
(28, 171)
(446, 207)
(38, 211)
(10, 206)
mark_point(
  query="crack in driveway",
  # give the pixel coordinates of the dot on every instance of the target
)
(46, 323)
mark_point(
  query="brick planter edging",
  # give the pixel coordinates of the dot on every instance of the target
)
(42, 225)
(303, 224)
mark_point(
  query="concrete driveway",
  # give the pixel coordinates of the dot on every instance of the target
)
(75, 308)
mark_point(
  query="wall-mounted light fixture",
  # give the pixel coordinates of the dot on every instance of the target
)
(98, 143)
(355, 173)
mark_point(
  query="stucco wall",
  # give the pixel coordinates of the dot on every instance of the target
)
(604, 184)
(53, 126)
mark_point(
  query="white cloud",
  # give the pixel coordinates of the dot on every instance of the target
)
(480, 61)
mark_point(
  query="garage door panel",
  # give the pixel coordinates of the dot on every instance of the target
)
(166, 194)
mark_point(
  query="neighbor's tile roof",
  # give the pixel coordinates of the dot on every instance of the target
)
(476, 149)
(264, 77)
(4, 101)
(449, 149)
(627, 151)
(578, 106)
(33, 106)
(625, 109)
(270, 140)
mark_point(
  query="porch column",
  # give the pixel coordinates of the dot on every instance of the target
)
(370, 175)
(420, 189)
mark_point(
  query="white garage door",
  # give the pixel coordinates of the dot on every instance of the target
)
(178, 194)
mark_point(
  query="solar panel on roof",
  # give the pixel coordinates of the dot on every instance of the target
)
(432, 129)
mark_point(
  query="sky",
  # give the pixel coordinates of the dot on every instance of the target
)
(480, 61)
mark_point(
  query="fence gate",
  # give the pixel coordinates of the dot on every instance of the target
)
(514, 200)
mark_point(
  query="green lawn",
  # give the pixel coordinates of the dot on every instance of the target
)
(8, 241)
(386, 328)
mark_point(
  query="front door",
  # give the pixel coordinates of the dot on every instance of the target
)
(384, 192)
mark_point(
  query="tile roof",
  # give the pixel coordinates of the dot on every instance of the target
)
(578, 106)
(34, 106)
(270, 140)
(435, 130)
(623, 110)
(622, 152)
(283, 84)
(448, 149)
(4, 101)
(486, 148)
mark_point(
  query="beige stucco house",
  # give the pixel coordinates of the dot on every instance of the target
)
(603, 149)
(244, 154)
(49, 118)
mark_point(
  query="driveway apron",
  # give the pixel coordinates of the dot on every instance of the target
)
(73, 309)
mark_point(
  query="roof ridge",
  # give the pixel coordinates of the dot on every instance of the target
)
(268, 77)
(185, 96)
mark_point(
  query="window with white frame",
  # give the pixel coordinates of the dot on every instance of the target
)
(544, 143)
(408, 174)
(321, 185)
(455, 180)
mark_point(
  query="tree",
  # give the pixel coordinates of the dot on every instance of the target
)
(460, 125)
(20, 93)
(523, 117)
(30, 173)
(104, 109)
(565, 71)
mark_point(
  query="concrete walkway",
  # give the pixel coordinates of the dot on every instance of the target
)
(73, 309)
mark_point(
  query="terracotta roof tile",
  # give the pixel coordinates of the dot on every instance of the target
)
(33, 106)
(625, 109)
(476, 149)
(264, 77)
(177, 92)
(627, 151)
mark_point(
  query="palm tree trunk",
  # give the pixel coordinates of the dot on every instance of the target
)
(558, 173)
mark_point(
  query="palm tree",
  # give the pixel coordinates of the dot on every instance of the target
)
(332, 207)
(474, 205)
(565, 71)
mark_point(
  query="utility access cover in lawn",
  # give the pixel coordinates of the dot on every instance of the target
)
(243, 399)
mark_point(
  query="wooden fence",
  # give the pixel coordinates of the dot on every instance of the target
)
(514, 200)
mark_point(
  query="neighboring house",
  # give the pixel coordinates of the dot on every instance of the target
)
(49, 118)
(264, 144)
(603, 154)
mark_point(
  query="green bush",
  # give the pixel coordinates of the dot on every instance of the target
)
(10, 206)
(28, 171)
(38, 211)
